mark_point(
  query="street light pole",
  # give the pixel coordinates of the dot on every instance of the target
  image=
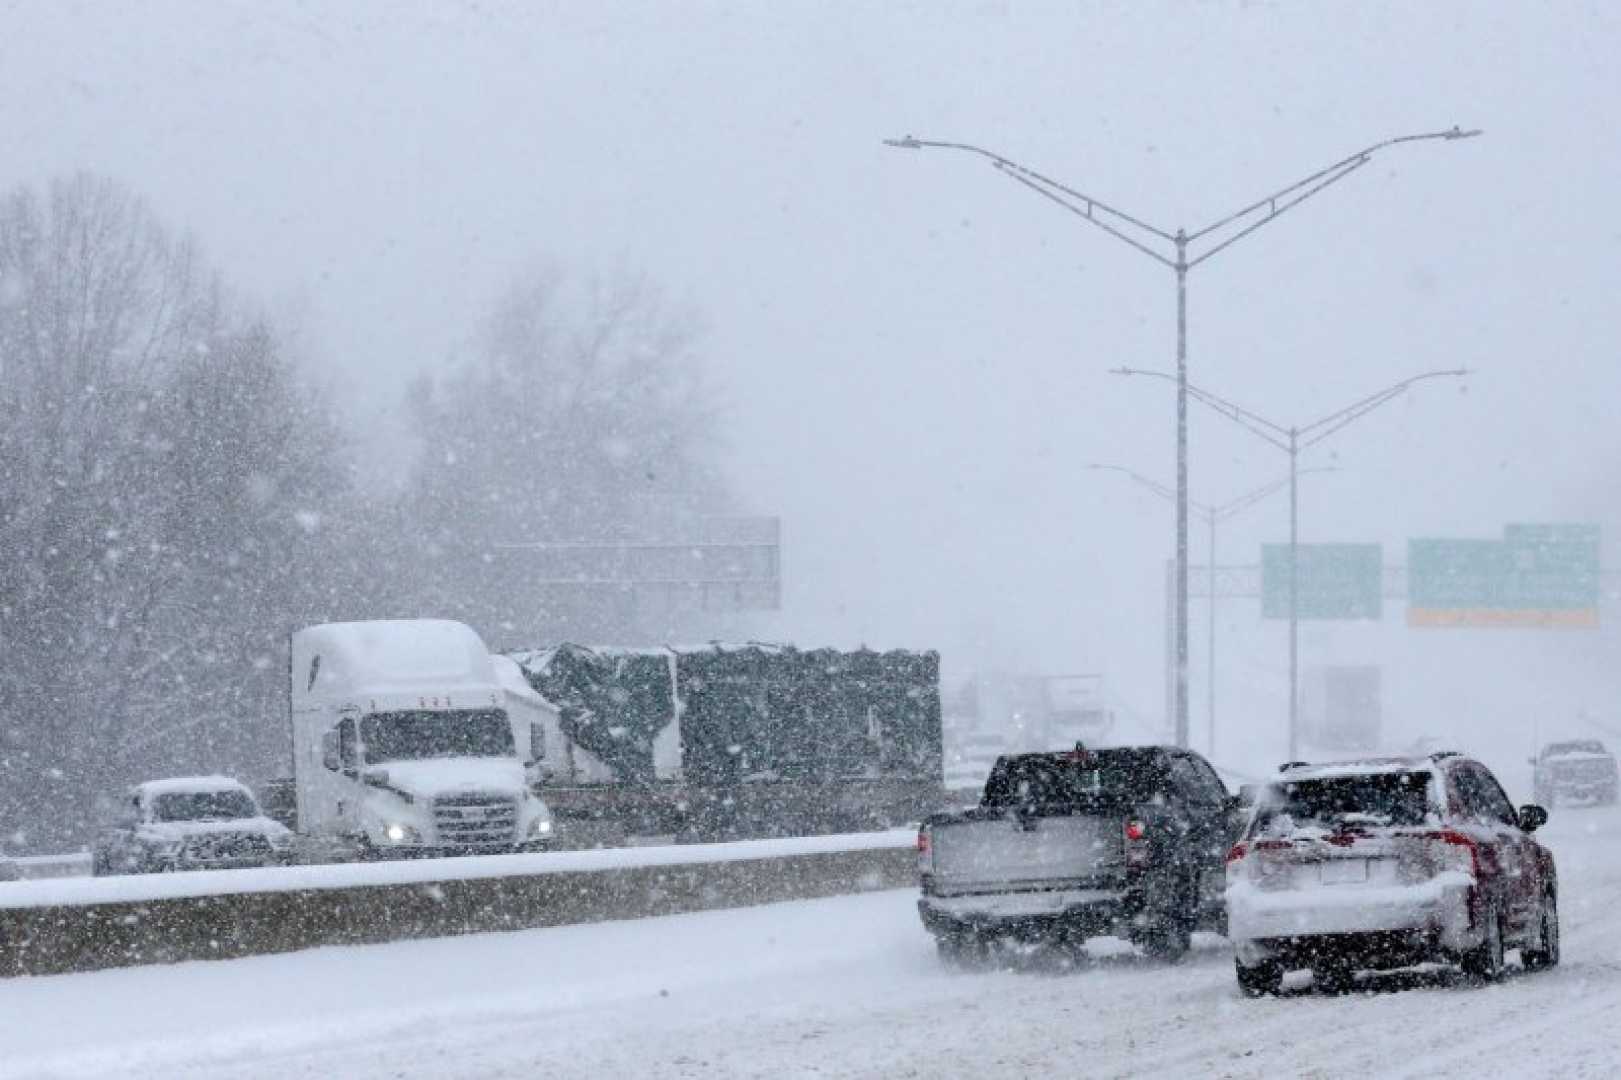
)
(1213, 515)
(1150, 240)
(1292, 440)
(1182, 733)
(1294, 590)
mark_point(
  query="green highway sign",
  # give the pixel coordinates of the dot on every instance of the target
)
(1332, 581)
(1536, 575)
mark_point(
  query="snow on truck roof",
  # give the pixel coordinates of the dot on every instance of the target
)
(398, 652)
(541, 659)
(186, 785)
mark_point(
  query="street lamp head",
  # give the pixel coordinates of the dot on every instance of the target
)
(908, 143)
(1459, 133)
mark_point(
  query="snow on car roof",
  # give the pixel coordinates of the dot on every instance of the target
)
(1361, 767)
(185, 785)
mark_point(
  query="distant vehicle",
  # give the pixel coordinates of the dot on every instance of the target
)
(403, 743)
(1388, 863)
(190, 823)
(971, 762)
(1581, 770)
(1065, 846)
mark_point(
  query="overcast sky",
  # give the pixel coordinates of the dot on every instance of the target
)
(914, 349)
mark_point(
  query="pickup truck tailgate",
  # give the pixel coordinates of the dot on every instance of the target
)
(1005, 854)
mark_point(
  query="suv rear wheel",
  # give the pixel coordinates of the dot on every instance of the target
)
(1546, 953)
(1484, 963)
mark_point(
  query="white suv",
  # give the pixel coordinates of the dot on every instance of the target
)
(1388, 863)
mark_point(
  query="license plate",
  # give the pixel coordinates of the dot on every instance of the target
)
(1345, 871)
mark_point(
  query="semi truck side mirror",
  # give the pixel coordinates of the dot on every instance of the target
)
(329, 751)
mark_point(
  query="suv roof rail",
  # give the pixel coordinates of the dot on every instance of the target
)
(1287, 765)
(1440, 754)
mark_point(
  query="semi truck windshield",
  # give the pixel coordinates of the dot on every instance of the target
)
(417, 734)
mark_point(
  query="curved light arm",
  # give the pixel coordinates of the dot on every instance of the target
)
(1298, 192)
(1260, 494)
(1257, 425)
(1214, 514)
(1319, 430)
(1076, 202)
(1087, 207)
(1153, 485)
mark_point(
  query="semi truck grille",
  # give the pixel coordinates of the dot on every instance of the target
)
(476, 819)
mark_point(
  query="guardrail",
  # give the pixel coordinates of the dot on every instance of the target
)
(51, 927)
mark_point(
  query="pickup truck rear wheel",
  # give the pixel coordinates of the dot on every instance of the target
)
(1170, 935)
(1168, 943)
(1265, 978)
(965, 949)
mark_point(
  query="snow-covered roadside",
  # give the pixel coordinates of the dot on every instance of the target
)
(846, 987)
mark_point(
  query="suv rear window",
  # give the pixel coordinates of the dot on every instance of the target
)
(1335, 802)
(1057, 782)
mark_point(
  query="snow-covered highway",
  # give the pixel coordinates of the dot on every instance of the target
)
(848, 987)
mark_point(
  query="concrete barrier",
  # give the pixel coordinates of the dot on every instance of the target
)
(52, 938)
(40, 867)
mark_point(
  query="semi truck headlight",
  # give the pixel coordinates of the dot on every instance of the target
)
(540, 827)
(400, 834)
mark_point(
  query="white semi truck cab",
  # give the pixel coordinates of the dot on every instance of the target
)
(402, 744)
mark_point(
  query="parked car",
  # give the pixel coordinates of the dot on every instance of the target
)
(1085, 843)
(190, 823)
(1580, 770)
(1389, 863)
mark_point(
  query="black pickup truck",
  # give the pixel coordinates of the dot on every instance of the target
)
(1127, 841)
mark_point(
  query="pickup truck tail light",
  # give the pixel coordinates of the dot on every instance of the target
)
(1136, 843)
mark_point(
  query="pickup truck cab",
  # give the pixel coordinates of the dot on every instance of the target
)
(1127, 841)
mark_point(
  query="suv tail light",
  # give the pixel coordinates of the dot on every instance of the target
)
(1263, 862)
(925, 850)
(1423, 856)
(1136, 837)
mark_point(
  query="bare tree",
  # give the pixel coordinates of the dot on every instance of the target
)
(160, 477)
(585, 416)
